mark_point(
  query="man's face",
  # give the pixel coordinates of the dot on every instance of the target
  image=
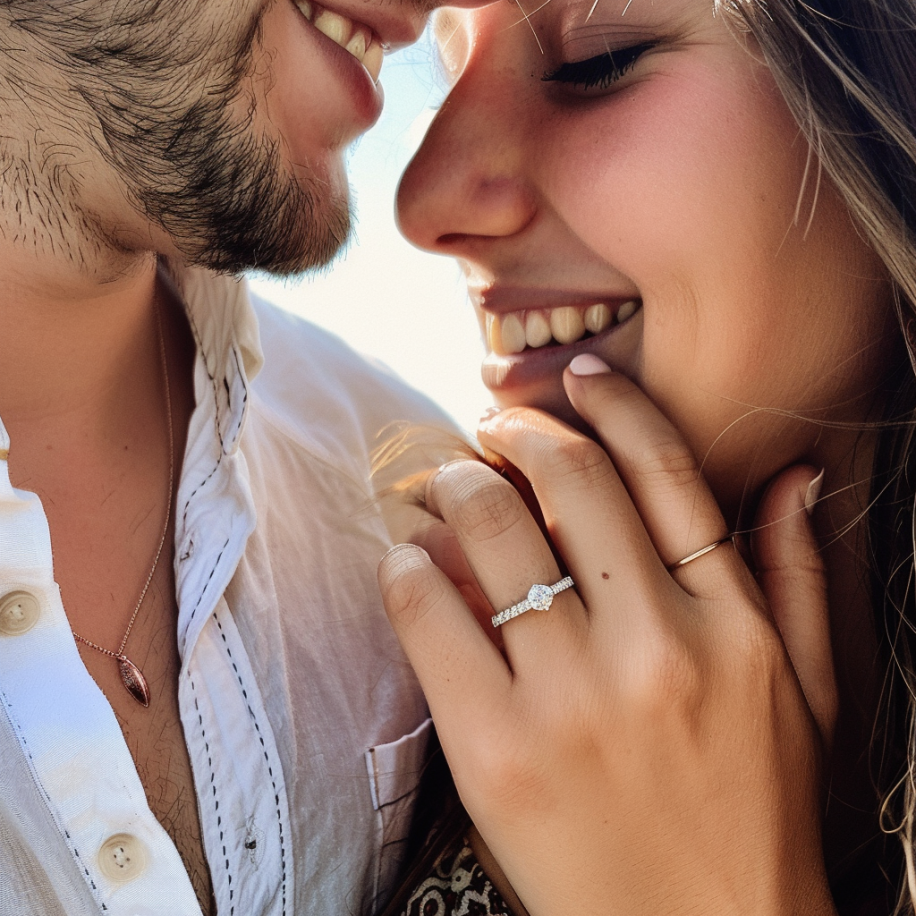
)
(224, 122)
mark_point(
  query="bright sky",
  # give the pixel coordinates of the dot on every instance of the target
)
(384, 297)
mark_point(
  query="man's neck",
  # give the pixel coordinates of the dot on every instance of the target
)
(68, 341)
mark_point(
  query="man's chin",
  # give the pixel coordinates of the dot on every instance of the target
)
(281, 248)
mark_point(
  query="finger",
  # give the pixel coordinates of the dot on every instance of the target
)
(440, 543)
(593, 523)
(505, 549)
(791, 574)
(461, 672)
(659, 470)
(564, 455)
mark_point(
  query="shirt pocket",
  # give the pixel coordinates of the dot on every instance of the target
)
(394, 777)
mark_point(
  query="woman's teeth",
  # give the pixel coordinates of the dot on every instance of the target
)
(514, 332)
(353, 36)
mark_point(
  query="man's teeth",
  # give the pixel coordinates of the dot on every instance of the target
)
(513, 332)
(350, 35)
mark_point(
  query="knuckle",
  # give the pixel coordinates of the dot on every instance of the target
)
(758, 647)
(501, 768)
(662, 676)
(581, 459)
(510, 774)
(751, 643)
(410, 590)
(486, 507)
(669, 462)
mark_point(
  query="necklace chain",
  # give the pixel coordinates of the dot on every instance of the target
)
(131, 675)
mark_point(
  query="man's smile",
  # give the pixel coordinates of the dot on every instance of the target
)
(353, 36)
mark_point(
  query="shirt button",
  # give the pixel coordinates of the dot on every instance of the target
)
(19, 612)
(122, 858)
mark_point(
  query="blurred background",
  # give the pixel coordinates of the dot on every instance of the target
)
(385, 298)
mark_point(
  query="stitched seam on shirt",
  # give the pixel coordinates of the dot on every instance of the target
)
(206, 480)
(270, 771)
(203, 733)
(241, 375)
(17, 728)
(199, 487)
(203, 592)
(238, 426)
(219, 817)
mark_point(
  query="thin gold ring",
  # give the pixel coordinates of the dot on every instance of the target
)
(701, 552)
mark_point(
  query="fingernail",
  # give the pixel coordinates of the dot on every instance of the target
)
(588, 364)
(489, 413)
(813, 492)
(455, 461)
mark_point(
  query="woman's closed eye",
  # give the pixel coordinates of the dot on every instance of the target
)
(598, 72)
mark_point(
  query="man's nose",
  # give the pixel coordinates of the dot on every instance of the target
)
(467, 183)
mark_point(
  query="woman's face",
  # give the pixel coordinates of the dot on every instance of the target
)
(626, 180)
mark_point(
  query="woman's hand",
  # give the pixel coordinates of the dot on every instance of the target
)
(653, 743)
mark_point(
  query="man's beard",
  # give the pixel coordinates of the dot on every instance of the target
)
(167, 83)
(232, 204)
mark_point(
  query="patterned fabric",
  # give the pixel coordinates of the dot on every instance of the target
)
(457, 886)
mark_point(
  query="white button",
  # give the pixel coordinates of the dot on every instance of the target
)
(122, 858)
(19, 612)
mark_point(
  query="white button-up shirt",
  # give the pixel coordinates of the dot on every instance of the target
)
(306, 729)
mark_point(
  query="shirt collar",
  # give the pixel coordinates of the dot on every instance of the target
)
(225, 329)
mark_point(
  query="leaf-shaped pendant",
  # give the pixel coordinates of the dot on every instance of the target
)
(133, 680)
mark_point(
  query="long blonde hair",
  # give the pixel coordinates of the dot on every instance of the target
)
(847, 70)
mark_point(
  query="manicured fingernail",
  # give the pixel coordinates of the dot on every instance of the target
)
(588, 364)
(813, 492)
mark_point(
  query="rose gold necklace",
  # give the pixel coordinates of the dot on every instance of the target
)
(131, 676)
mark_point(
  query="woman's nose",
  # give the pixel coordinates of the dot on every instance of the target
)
(467, 182)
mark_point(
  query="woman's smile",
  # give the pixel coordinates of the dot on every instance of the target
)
(544, 322)
(531, 335)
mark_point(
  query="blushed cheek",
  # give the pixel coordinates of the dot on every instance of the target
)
(666, 176)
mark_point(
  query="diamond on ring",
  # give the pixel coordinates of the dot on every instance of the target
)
(540, 597)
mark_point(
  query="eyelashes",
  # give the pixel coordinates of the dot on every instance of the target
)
(598, 72)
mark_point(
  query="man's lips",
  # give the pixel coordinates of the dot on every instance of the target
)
(355, 37)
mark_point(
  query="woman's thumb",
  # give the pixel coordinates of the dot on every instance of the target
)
(790, 570)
